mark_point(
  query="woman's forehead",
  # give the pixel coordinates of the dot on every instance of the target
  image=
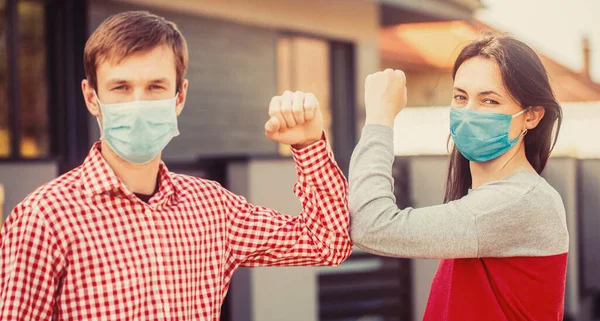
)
(479, 75)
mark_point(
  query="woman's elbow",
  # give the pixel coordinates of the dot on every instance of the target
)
(359, 233)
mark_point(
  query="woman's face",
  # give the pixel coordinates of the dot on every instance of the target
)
(478, 86)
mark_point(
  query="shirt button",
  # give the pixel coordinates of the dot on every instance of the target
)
(148, 212)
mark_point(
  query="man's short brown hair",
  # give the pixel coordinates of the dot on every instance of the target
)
(132, 32)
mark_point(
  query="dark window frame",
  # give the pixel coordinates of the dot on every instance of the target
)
(12, 61)
(65, 36)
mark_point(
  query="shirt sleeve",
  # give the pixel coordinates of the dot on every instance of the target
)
(259, 236)
(377, 224)
(30, 267)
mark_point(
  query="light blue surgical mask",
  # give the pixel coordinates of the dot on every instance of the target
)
(482, 136)
(138, 131)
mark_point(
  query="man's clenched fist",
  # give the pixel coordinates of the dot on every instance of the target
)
(385, 96)
(296, 119)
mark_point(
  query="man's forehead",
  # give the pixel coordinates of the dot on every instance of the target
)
(118, 56)
(155, 64)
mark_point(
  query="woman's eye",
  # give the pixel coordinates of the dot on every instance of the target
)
(460, 98)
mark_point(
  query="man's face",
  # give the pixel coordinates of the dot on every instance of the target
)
(149, 75)
(144, 76)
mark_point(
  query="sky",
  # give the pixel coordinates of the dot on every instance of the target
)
(553, 27)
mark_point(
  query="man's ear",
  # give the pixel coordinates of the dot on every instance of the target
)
(181, 96)
(90, 98)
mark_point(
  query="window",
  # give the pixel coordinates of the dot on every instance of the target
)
(304, 64)
(33, 98)
(4, 114)
(23, 81)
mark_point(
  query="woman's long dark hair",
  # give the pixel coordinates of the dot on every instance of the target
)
(525, 78)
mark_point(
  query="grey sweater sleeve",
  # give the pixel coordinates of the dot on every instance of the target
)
(380, 227)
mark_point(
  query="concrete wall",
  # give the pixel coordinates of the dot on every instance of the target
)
(427, 177)
(588, 237)
(271, 294)
(589, 201)
(20, 179)
(561, 173)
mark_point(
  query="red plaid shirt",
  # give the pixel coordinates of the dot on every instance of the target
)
(84, 247)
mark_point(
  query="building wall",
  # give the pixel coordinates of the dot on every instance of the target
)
(561, 173)
(20, 179)
(355, 20)
(429, 88)
(271, 294)
(425, 88)
(589, 190)
(427, 175)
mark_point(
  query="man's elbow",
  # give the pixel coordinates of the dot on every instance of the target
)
(339, 254)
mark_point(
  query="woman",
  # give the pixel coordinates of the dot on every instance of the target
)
(501, 231)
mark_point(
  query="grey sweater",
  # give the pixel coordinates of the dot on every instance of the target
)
(521, 215)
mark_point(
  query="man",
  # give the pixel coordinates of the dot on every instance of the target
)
(122, 238)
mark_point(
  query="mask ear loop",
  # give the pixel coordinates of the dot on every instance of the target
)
(97, 117)
(525, 131)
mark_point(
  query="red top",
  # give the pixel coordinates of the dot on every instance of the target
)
(503, 289)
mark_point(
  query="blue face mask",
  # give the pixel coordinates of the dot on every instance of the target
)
(482, 136)
(138, 131)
